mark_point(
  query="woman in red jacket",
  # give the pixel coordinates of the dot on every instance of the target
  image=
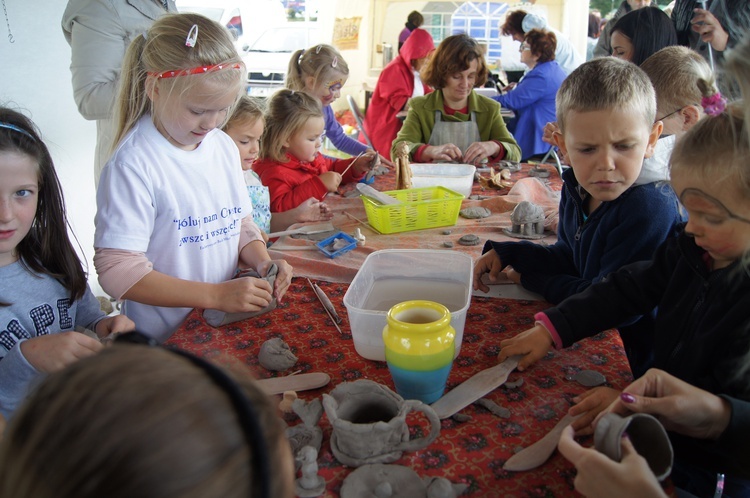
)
(398, 82)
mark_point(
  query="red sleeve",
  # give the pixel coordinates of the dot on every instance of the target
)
(418, 154)
(288, 193)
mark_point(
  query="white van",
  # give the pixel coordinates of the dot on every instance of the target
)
(247, 19)
(267, 59)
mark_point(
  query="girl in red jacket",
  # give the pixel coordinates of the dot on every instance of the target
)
(290, 164)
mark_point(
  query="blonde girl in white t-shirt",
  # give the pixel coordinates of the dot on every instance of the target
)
(173, 219)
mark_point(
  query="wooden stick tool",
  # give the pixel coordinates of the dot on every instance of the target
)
(327, 305)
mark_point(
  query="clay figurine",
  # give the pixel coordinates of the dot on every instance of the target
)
(386, 481)
(308, 433)
(528, 221)
(310, 484)
(275, 355)
(403, 167)
(369, 423)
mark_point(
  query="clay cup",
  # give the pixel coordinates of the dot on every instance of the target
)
(646, 433)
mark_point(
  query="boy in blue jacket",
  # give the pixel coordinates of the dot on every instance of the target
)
(606, 112)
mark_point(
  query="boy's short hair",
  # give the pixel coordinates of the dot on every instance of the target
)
(674, 72)
(606, 83)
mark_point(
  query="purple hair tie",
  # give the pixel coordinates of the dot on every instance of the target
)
(714, 105)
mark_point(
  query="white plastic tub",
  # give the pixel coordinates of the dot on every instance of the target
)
(458, 177)
(392, 276)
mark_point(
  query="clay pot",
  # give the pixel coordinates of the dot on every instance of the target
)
(369, 423)
(646, 433)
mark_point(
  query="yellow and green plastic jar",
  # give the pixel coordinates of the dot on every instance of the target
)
(419, 348)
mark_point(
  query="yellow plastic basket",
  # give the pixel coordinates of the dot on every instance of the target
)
(420, 208)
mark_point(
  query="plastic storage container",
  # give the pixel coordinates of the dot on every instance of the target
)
(458, 177)
(392, 276)
(420, 208)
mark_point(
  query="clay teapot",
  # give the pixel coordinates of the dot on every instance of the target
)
(369, 423)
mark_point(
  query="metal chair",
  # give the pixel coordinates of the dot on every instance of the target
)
(557, 164)
(359, 118)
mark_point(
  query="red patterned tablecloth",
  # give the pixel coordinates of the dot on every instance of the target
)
(472, 452)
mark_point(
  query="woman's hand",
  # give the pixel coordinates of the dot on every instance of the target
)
(445, 153)
(681, 407)
(53, 352)
(481, 150)
(599, 476)
(710, 29)
(331, 180)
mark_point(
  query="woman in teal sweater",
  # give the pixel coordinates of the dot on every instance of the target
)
(454, 123)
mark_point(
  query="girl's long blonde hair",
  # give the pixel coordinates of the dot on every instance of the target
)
(287, 113)
(321, 62)
(164, 48)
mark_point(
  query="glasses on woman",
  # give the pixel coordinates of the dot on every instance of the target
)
(523, 47)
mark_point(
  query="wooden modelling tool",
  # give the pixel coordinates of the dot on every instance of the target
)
(298, 382)
(533, 456)
(474, 388)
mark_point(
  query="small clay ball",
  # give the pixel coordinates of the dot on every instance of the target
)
(448, 244)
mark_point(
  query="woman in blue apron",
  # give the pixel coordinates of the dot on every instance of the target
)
(454, 123)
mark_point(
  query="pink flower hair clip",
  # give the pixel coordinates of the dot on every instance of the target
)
(714, 105)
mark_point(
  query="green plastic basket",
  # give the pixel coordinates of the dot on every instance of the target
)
(420, 208)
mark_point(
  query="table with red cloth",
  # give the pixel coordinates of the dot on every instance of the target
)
(307, 261)
(472, 452)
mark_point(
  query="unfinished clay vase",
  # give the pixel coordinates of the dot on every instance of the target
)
(369, 423)
(646, 433)
(527, 221)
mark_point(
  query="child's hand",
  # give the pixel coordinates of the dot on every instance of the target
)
(50, 353)
(490, 263)
(244, 294)
(513, 275)
(312, 210)
(283, 277)
(533, 344)
(114, 325)
(386, 162)
(331, 180)
(365, 162)
(548, 134)
(589, 405)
